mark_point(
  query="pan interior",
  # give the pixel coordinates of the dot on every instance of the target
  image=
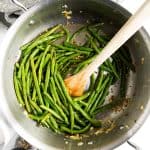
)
(112, 17)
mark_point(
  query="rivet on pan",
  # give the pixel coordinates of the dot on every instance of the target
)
(31, 22)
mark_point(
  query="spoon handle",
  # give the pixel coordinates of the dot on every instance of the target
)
(134, 23)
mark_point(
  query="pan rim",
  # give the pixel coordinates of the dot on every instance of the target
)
(18, 128)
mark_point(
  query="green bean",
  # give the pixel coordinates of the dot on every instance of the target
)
(130, 65)
(101, 40)
(62, 114)
(43, 35)
(48, 59)
(25, 46)
(53, 121)
(76, 106)
(82, 48)
(38, 61)
(91, 97)
(35, 52)
(53, 91)
(83, 97)
(32, 46)
(124, 52)
(97, 25)
(40, 47)
(113, 69)
(52, 112)
(100, 99)
(36, 82)
(36, 107)
(63, 68)
(18, 94)
(118, 63)
(60, 91)
(67, 33)
(97, 87)
(46, 124)
(46, 117)
(22, 64)
(97, 50)
(92, 82)
(105, 68)
(17, 65)
(110, 106)
(47, 77)
(28, 85)
(53, 62)
(50, 99)
(34, 117)
(64, 55)
(77, 127)
(82, 103)
(24, 90)
(41, 64)
(58, 108)
(46, 102)
(19, 85)
(78, 119)
(50, 31)
(67, 58)
(34, 94)
(65, 129)
(82, 64)
(27, 67)
(100, 80)
(71, 117)
(51, 125)
(71, 49)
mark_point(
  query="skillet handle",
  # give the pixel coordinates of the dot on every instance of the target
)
(20, 5)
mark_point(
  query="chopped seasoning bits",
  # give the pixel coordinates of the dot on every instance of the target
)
(127, 127)
(141, 107)
(90, 142)
(65, 6)
(67, 14)
(121, 127)
(80, 143)
(66, 142)
(142, 60)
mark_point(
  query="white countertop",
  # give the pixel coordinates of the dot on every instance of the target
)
(141, 138)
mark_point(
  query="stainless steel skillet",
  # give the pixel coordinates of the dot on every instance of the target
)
(47, 14)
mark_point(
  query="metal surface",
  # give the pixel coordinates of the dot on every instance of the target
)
(47, 14)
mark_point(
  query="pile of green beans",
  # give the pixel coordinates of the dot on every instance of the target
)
(44, 64)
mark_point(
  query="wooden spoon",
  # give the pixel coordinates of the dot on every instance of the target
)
(76, 83)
